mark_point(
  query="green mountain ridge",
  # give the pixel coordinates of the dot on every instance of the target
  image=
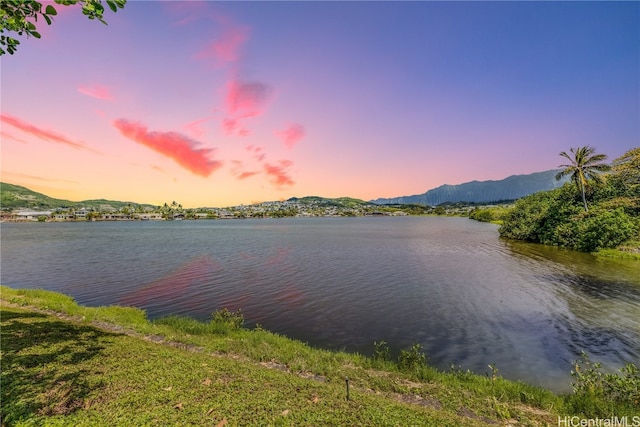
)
(15, 197)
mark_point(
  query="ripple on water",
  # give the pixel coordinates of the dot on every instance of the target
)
(450, 284)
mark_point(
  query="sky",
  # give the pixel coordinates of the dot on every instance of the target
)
(214, 104)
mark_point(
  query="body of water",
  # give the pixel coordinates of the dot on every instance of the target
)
(451, 284)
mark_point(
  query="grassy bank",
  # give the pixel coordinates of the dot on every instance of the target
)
(64, 364)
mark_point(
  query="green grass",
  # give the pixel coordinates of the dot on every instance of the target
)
(111, 366)
(630, 250)
(617, 254)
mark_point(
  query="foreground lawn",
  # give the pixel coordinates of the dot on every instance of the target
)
(63, 364)
(58, 373)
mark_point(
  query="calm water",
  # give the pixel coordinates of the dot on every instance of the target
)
(450, 284)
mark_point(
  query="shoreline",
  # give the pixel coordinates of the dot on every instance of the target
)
(455, 397)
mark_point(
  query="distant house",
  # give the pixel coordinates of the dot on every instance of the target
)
(63, 216)
(115, 217)
(81, 213)
(30, 215)
(6, 216)
(150, 216)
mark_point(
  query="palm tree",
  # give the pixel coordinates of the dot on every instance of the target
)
(584, 166)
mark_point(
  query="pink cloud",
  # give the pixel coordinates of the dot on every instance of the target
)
(194, 128)
(246, 99)
(6, 135)
(231, 126)
(227, 48)
(173, 145)
(96, 91)
(238, 170)
(278, 173)
(186, 11)
(291, 135)
(247, 174)
(258, 152)
(38, 132)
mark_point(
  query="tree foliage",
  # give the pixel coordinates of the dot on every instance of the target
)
(19, 17)
(627, 168)
(556, 217)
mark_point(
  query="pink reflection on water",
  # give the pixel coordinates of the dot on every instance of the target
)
(174, 284)
(290, 296)
(279, 257)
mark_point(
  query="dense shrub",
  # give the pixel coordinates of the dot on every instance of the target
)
(600, 394)
(557, 217)
(482, 215)
(596, 229)
(535, 218)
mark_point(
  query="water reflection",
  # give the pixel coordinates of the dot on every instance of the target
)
(600, 304)
(172, 287)
(596, 287)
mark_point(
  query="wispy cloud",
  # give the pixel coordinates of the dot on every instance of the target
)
(185, 12)
(7, 135)
(173, 145)
(278, 173)
(8, 175)
(38, 132)
(226, 49)
(234, 126)
(238, 170)
(258, 152)
(96, 91)
(194, 129)
(244, 100)
(291, 135)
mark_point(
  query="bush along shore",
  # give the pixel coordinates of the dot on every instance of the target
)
(65, 364)
(593, 213)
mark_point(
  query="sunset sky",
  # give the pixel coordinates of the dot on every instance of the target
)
(227, 103)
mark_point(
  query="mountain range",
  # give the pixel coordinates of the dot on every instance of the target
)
(510, 188)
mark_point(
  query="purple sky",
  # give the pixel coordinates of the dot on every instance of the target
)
(222, 103)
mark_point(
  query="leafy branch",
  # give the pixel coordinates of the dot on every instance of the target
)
(19, 17)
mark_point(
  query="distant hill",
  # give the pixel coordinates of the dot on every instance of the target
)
(15, 196)
(511, 188)
(341, 202)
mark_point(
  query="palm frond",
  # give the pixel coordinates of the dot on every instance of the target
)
(564, 154)
(598, 158)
